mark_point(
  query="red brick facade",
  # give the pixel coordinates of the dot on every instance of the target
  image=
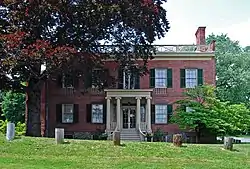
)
(57, 95)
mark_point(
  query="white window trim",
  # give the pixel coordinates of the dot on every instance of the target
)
(101, 120)
(166, 122)
(63, 111)
(196, 70)
(63, 83)
(157, 69)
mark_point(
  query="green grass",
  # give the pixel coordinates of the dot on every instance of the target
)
(43, 153)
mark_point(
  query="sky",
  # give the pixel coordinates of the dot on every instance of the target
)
(230, 17)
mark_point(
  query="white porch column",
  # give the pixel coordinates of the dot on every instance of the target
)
(118, 115)
(148, 119)
(108, 114)
(138, 111)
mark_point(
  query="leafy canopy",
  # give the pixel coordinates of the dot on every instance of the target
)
(207, 112)
(66, 36)
(13, 106)
(232, 70)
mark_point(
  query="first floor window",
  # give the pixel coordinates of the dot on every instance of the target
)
(160, 78)
(97, 113)
(188, 109)
(161, 112)
(67, 113)
(143, 114)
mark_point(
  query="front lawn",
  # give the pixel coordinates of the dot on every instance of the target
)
(42, 153)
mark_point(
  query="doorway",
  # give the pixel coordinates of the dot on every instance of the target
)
(129, 117)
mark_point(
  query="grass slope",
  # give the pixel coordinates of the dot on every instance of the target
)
(41, 153)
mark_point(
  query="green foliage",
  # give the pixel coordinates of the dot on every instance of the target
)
(13, 106)
(20, 128)
(3, 126)
(158, 135)
(208, 112)
(232, 70)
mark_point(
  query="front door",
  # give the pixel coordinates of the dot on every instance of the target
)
(129, 117)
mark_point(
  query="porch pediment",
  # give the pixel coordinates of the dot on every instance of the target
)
(128, 92)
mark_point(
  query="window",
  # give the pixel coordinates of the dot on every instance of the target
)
(67, 81)
(191, 78)
(128, 80)
(67, 113)
(161, 112)
(143, 114)
(97, 113)
(188, 109)
(160, 78)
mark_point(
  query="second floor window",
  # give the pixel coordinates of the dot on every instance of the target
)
(128, 79)
(190, 78)
(160, 78)
(67, 81)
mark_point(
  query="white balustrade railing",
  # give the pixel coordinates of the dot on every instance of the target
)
(160, 91)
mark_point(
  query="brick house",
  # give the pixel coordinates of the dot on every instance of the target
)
(137, 104)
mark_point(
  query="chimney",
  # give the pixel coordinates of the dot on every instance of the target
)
(201, 36)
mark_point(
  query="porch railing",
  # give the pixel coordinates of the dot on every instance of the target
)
(112, 125)
(143, 126)
(158, 48)
(160, 91)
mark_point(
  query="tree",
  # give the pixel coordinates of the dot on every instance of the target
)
(66, 37)
(13, 107)
(232, 70)
(207, 112)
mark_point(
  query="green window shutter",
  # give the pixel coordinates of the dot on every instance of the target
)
(152, 114)
(170, 111)
(120, 78)
(200, 76)
(137, 80)
(88, 113)
(76, 113)
(182, 78)
(59, 113)
(169, 78)
(104, 113)
(152, 78)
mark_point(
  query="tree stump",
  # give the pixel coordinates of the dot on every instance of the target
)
(59, 135)
(10, 133)
(177, 140)
(117, 138)
(228, 143)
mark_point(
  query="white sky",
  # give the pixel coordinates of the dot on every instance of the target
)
(219, 16)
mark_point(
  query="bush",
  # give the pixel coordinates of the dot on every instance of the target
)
(20, 128)
(13, 106)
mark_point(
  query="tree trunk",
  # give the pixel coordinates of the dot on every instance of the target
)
(33, 110)
(198, 135)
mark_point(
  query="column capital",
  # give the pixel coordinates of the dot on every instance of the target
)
(148, 97)
(108, 98)
(138, 98)
(118, 98)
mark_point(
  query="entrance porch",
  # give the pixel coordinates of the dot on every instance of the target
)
(128, 110)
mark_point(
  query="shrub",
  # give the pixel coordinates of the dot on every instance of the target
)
(20, 128)
(13, 106)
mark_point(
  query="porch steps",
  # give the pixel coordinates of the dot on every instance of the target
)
(130, 135)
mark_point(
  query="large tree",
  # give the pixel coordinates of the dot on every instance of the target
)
(202, 111)
(66, 36)
(232, 70)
